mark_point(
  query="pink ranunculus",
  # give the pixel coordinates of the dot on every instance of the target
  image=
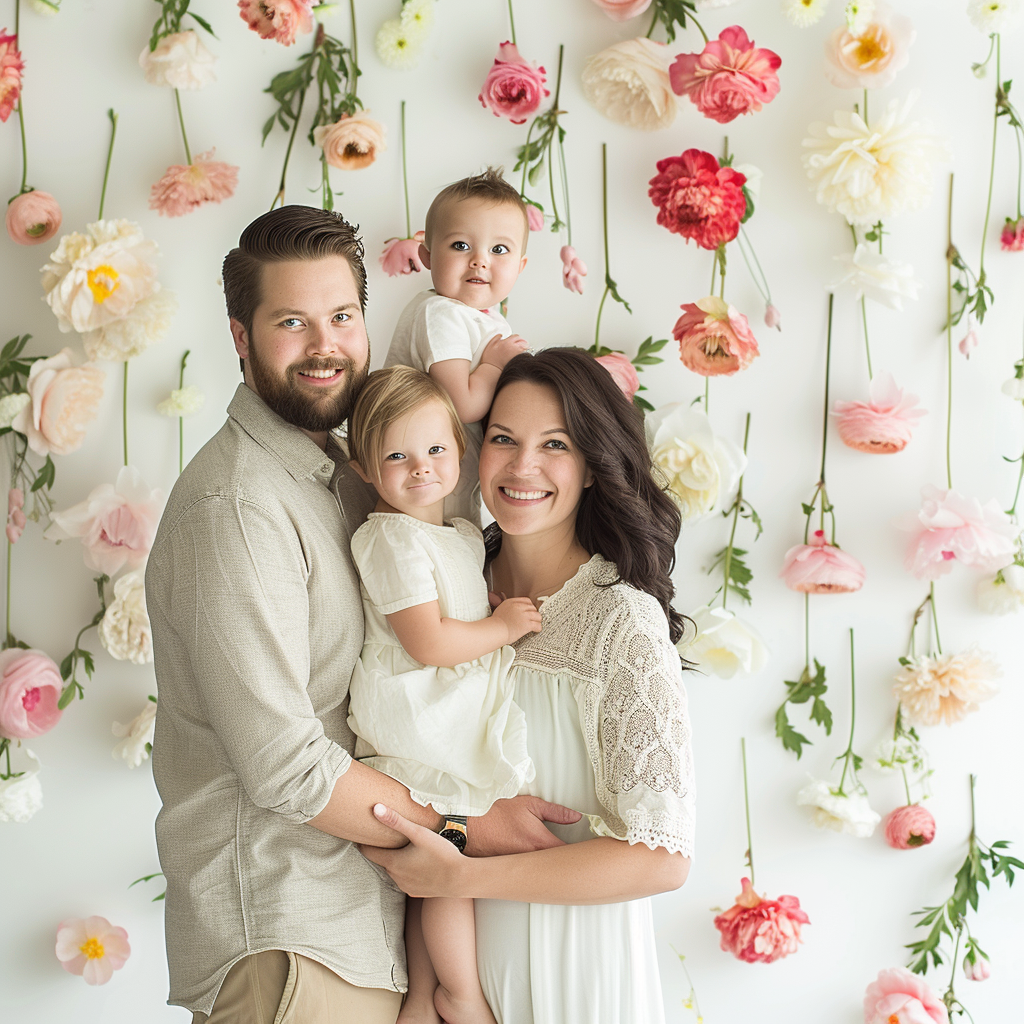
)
(354, 141)
(514, 88)
(953, 528)
(30, 686)
(882, 425)
(899, 997)
(534, 217)
(15, 514)
(185, 187)
(772, 317)
(33, 217)
(1012, 237)
(11, 67)
(729, 77)
(821, 568)
(909, 827)
(623, 372)
(714, 338)
(573, 269)
(116, 524)
(280, 20)
(623, 10)
(761, 931)
(402, 255)
(977, 969)
(92, 948)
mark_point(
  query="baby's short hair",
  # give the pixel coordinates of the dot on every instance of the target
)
(489, 186)
(387, 396)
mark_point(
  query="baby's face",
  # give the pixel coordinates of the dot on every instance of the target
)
(476, 252)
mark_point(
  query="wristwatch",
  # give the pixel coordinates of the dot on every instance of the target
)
(453, 828)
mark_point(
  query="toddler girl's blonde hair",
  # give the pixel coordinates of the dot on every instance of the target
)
(387, 396)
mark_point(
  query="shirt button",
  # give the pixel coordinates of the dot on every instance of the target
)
(327, 467)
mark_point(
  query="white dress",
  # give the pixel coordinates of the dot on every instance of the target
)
(452, 736)
(601, 689)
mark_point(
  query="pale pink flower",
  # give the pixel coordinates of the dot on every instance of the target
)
(573, 269)
(869, 56)
(821, 568)
(30, 686)
(761, 931)
(623, 372)
(977, 969)
(946, 688)
(402, 255)
(729, 77)
(280, 20)
(11, 67)
(970, 341)
(33, 217)
(352, 142)
(514, 88)
(714, 338)
(1012, 237)
(534, 217)
(772, 317)
(179, 61)
(185, 187)
(909, 827)
(882, 425)
(951, 527)
(623, 10)
(15, 514)
(93, 948)
(899, 997)
(116, 524)
(628, 83)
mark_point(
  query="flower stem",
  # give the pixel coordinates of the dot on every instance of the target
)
(355, 49)
(124, 412)
(974, 779)
(700, 28)
(807, 631)
(604, 220)
(759, 279)
(110, 154)
(865, 106)
(720, 257)
(318, 38)
(7, 633)
(21, 112)
(906, 785)
(181, 121)
(737, 505)
(405, 180)
(992, 167)
(863, 310)
(848, 753)
(512, 22)
(949, 335)
(746, 807)
(654, 22)
(828, 365)
(935, 617)
(181, 419)
(707, 394)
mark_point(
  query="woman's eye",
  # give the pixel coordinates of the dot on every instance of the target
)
(556, 444)
(500, 249)
(436, 449)
(460, 246)
(501, 439)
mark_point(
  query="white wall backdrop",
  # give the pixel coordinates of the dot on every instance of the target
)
(94, 834)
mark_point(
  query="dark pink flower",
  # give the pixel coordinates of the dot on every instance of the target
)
(514, 88)
(761, 931)
(714, 338)
(33, 217)
(573, 269)
(623, 372)
(909, 827)
(183, 189)
(1012, 237)
(884, 424)
(821, 568)
(280, 20)
(904, 998)
(11, 67)
(30, 686)
(402, 255)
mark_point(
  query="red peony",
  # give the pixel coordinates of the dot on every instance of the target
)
(514, 88)
(698, 199)
(1012, 237)
(761, 931)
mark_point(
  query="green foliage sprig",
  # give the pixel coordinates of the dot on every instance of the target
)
(172, 12)
(79, 655)
(673, 13)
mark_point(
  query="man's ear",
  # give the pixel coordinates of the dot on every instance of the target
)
(241, 338)
(360, 472)
(424, 256)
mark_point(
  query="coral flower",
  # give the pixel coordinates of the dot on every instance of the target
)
(882, 425)
(909, 827)
(514, 88)
(1012, 237)
(821, 568)
(280, 20)
(11, 67)
(714, 338)
(352, 142)
(899, 997)
(761, 931)
(184, 188)
(946, 688)
(729, 77)
(623, 372)
(573, 269)
(628, 83)
(93, 948)
(30, 686)
(402, 255)
(698, 199)
(869, 57)
(33, 217)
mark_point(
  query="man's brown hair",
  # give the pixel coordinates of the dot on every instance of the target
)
(489, 186)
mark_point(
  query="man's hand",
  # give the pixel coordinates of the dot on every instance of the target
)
(517, 826)
(519, 616)
(499, 350)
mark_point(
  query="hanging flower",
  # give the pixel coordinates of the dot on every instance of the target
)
(729, 77)
(573, 269)
(714, 338)
(977, 969)
(402, 255)
(629, 84)
(623, 10)
(11, 67)
(990, 16)
(180, 61)
(869, 56)
(136, 737)
(724, 646)
(186, 401)
(908, 827)
(623, 372)
(124, 629)
(184, 188)
(11, 406)
(897, 995)
(758, 930)
(33, 217)
(534, 216)
(30, 686)
(876, 277)
(399, 45)
(946, 688)
(21, 795)
(93, 948)
(804, 13)
(970, 341)
(513, 88)
(842, 812)
(882, 425)
(148, 323)
(418, 15)
(1004, 593)
(698, 199)
(15, 514)
(280, 20)
(821, 568)
(352, 142)
(1012, 388)
(772, 317)
(1012, 237)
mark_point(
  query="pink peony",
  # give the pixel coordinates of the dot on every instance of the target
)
(513, 88)
(30, 686)
(869, 57)
(714, 338)
(534, 217)
(15, 514)
(183, 188)
(93, 948)
(909, 827)
(884, 424)
(1012, 237)
(623, 10)
(280, 20)
(623, 372)
(951, 528)
(772, 317)
(977, 969)
(761, 931)
(899, 997)
(33, 217)
(729, 77)
(402, 255)
(821, 568)
(11, 67)
(698, 199)
(573, 269)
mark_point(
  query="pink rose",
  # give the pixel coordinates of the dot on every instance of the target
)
(513, 88)
(761, 931)
(623, 372)
(534, 217)
(623, 10)
(92, 948)
(883, 425)
(573, 269)
(899, 997)
(714, 338)
(729, 77)
(33, 217)
(1012, 237)
(185, 187)
(11, 67)
(402, 255)
(280, 20)
(909, 827)
(821, 568)
(30, 686)
(15, 514)
(352, 142)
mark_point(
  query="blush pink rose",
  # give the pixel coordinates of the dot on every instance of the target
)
(185, 187)
(1012, 237)
(623, 10)
(33, 217)
(714, 338)
(402, 255)
(623, 372)
(15, 514)
(11, 67)
(821, 568)
(280, 20)
(30, 686)
(729, 77)
(761, 931)
(899, 997)
(352, 142)
(909, 827)
(884, 424)
(573, 269)
(870, 57)
(534, 217)
(514, 88)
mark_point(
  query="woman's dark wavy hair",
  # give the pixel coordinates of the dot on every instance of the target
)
(624, 515)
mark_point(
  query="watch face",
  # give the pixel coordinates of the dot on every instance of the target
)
(456, 837)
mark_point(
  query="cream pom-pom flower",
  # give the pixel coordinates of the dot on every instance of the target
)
(945, 688)
(629, 84)
(124, 629)
(877, 277)
(136, 737)
(993, 15)
(842, 812)
(21, 796)
(186, 401)
(804, 13)
(147, 323)
(398, 45)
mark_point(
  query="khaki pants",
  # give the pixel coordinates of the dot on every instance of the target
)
(276, 987)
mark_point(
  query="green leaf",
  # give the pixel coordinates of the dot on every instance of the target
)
(642, 403)
(791, 739)
(821, 714)
(203, 23)
(65, 666)
(535, 172)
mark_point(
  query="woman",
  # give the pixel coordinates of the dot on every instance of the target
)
(582, 528)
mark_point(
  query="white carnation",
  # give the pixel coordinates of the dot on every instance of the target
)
(21, 797)
(841, 812)
(993, 15)
(629, 84)
(147, 323)
(1002, 594)
(124, 629)
(136, 737)
(186, 401)
(876, 277)
(180, 61)
(804, 12)
(724, 646)
(11, 406)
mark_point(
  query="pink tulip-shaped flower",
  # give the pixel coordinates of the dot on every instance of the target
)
(280, 20)
(1012, 237)
(821, 568)
(970, 341)
(623, 10)
(514, 88)
(15, 514)
(904, 998)
(184, 188)
(772, 317)
(761, 931)
(573, 269)
(882, 425)
(11, 67)
(623, 372)
(402, 255)
(33, 217)
(909, 827)
(30, 686)
(92, 948)
(714, 338)
(977, 969)
(729, 77)
(534, 217)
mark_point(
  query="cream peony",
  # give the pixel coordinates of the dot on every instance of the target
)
(993, 15)
(124, 629)
(629, 84)
(21, 797)
(124, 339)
(946, 688)
(874, 276)
(724, 646)
(186, 401)
(850, 813)
(1003, 593)
(180, 61)
(870, 52)
(11, 406)
(136, 737)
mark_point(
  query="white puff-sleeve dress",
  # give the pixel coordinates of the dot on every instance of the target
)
(601, 689)
(453, 736)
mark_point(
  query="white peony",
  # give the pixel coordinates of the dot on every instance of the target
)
(841, 812)
(1003, 593)
(629, 84)
(993, 15)
(186, 401)
(701, 471)
(804, 12)
(724, 646)
(876, 277)
(180, 61)
(148, 323)
(21, 797)
(11, 406)
(1012, 388)
(136, 737)
(124, 629)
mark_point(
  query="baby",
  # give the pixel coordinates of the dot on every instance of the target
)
(474, 247)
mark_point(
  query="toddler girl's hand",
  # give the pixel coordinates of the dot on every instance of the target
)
(519, 616)
(499, 350)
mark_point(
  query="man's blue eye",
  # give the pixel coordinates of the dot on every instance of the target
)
(292, 321)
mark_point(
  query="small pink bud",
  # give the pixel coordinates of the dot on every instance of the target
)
(15, 499)
(968, 343)
(978, 969)
(535, 217)
(772, 317)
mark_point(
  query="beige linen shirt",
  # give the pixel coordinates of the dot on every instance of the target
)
(257, 624)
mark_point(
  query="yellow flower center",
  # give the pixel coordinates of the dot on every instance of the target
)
(869, 49)
(92, 949)
(103, 282)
